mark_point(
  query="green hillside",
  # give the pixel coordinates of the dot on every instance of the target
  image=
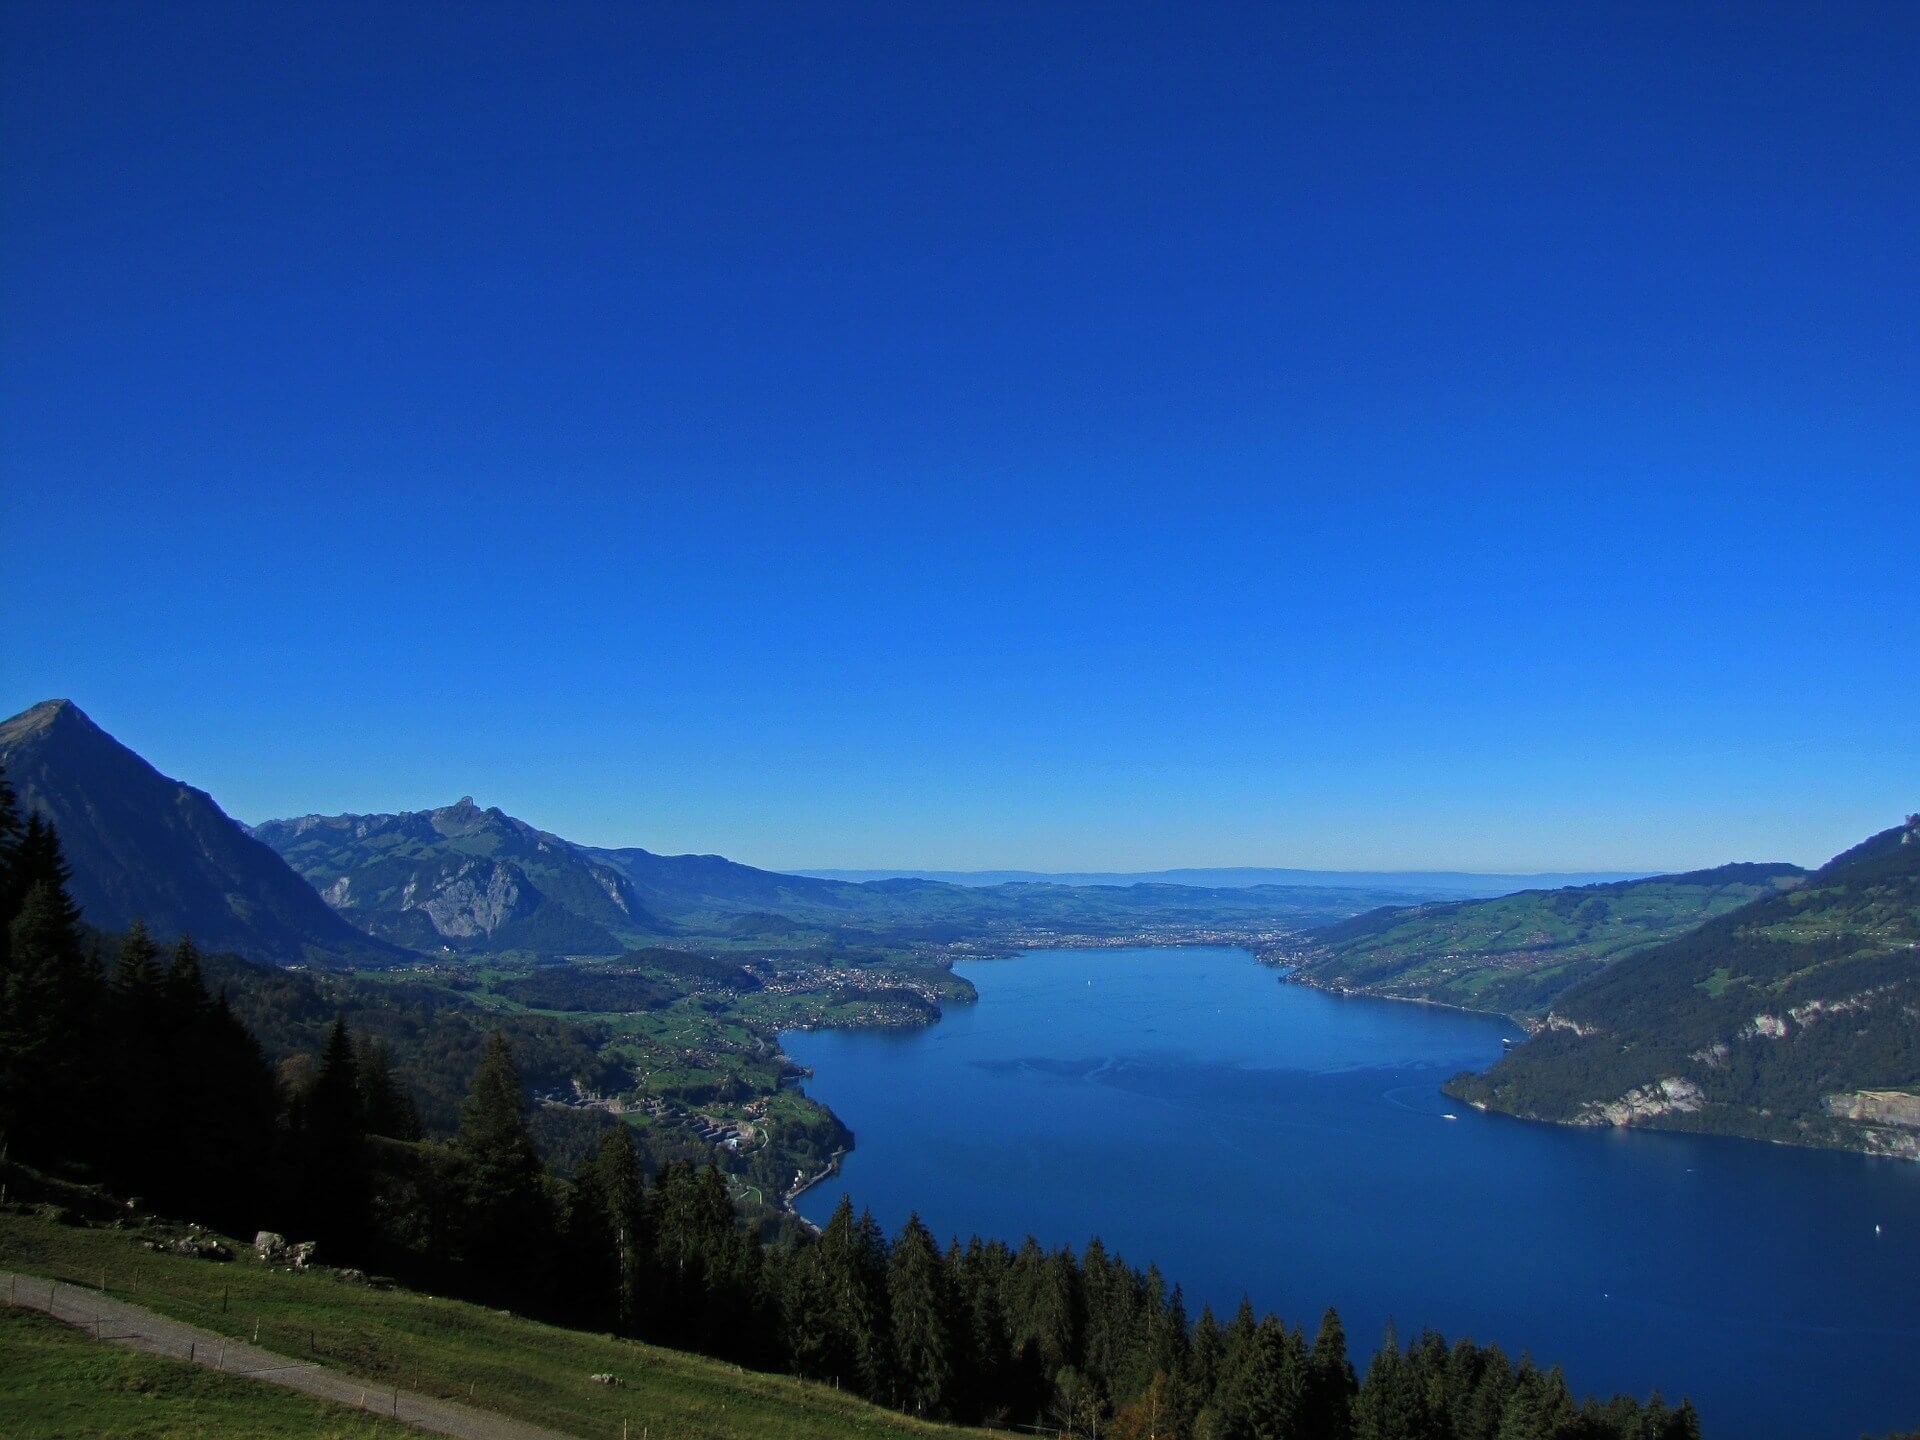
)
(141, 1084)
(1514, 954)
(1796, 1018)
(57, 1381)
(445, 1348)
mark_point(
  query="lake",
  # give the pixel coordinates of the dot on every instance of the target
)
(1253, 1136)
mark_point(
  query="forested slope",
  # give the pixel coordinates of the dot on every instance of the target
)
(1512, 955)
(1796, 1018)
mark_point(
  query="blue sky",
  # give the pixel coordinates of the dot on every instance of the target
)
(1102, 436)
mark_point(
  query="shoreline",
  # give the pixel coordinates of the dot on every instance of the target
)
(807, 1182)
(1293, 975)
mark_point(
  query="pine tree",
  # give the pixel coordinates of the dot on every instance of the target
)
(1208, 1354)
(385, 1106)
(1260, 1397)
(853, 1261)
(611, 1218)
(1388, 1406)
(48, 999)
(43, 1028)
(1172, 1335)
(1539, 1406)
(1102, 1286)
(922, 1312)
(37, 861)
(11, 889)
(186, 987)
(1482, 1399)
(983, 1338)
(222, 1142)
(136, 978)
(333, 1104)
(1326, 1405)
(134, 1044)
(336, 1184)
(493, 1118)
(505, 1224)
(1683, 1423)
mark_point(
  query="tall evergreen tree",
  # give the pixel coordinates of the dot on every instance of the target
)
(1260, 1399)
(136, 979)
(11, 890)
(505, 1225)
(48, 1002)
(853, 1261)
(1326, 1402)
(335, 1190)
(1389, 1405)
(385, 1106)
(922, 1312)
(1207, 1353)
(610, 1217)
(186, 986)
(983, 1338)
(37, 861)
(44, 1022)
(1539, 1406)
(333, 1104)
(135, 1044)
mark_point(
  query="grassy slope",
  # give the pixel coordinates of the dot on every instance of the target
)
(535, 1372)
(1514, 954)
(55, 1382)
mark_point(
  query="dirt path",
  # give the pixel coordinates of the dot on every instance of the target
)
(116, 1321)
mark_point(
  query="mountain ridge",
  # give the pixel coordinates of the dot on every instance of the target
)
(462, 877)
(1461, 884)
(1512, 954)
(145, 846)
(1794, 1018)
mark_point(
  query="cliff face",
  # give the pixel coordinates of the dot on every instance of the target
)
(1675, 1095)
(1888, 1120)
(1795, 1018)
(464, 878)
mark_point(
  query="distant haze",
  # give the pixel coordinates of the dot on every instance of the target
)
(1459, 883)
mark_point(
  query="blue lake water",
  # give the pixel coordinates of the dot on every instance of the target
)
(1256, 1137)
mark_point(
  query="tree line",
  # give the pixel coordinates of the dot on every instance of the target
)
(123, 1069)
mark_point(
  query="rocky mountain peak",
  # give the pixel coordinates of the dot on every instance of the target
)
(48, 717)
(143, 844)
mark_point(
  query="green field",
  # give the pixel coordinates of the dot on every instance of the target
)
(446, 1348)
(56, 1382)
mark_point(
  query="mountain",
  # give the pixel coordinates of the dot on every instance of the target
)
(465, 879)
(148, 847)
(708, 893)
(1514, 954)
(1795, 1018)
(479, 881)
(691, 887)
(1435, 884)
